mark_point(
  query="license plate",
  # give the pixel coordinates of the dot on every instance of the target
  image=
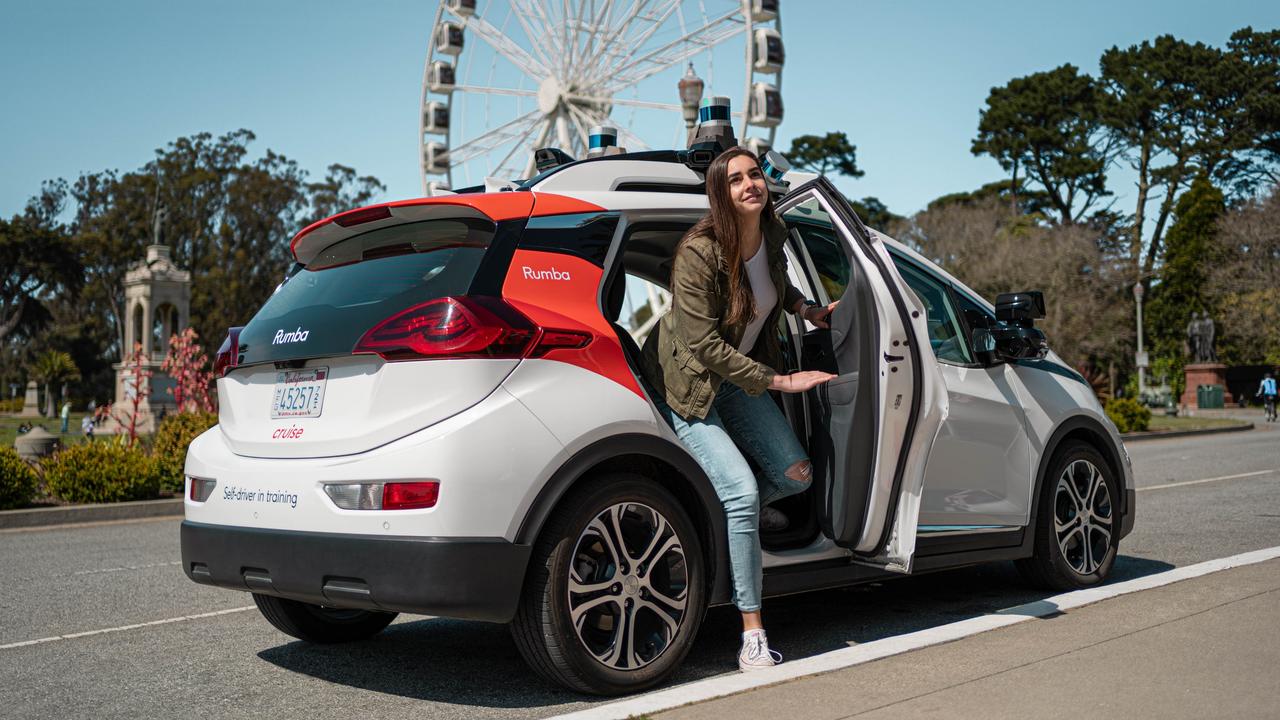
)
(299, 393)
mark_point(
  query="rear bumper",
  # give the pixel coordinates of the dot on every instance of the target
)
(469, 578)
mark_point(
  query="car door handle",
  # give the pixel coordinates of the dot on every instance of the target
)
(893, 358)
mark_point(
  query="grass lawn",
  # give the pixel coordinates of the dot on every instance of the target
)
(9, 428)
(1164, 422)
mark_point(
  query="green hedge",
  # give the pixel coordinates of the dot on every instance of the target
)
(101, 471)
(169, 447)
(1128, 414)
(18, 480)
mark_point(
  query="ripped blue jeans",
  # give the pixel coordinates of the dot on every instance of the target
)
(759, 427)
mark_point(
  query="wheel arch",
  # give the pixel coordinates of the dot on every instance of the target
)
(659, 460)
(1091, 431)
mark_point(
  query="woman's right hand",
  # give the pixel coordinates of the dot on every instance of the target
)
(800, 381)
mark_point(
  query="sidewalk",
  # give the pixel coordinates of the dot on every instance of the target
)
(1205, 647)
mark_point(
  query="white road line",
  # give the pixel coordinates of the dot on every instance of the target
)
(1207, 480)
(127, 567)
(722, 685)
(122, 628)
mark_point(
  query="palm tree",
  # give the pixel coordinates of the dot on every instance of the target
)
(52, 368)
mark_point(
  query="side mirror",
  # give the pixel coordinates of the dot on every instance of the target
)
(1020, 308)
(1018, 342)
(984, 347)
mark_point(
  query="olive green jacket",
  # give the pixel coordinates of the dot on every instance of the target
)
(693, 349)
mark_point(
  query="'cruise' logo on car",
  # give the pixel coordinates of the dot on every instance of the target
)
(552, 274)
(284, 338)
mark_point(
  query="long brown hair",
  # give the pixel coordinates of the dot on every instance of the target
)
(721, 225)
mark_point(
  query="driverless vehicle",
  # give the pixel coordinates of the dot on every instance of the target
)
(439, 412)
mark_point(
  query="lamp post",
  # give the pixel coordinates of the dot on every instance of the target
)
(1140, 357)
(690, 96)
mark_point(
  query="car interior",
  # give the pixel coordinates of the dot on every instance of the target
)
(820, 417)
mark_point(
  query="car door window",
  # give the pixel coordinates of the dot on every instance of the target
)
(826, 251)
(946, 333)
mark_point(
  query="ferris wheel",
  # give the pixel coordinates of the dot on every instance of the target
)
(504, 77)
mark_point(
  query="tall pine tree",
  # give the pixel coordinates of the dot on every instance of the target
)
(1189, 253)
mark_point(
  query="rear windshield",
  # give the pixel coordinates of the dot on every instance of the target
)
(326, 307)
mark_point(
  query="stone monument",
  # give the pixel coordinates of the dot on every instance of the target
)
(157, 302)
(1204, 368)
(31, 403)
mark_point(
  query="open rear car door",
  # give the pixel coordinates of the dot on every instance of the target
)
(875, 423)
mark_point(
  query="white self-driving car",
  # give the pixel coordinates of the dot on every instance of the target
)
(439, 412)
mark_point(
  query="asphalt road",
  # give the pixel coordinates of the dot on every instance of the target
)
(175, 649)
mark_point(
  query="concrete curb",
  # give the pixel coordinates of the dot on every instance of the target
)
(1161, 434)
(69, 514)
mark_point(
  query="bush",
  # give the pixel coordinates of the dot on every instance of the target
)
(11, 405)
(1128, 414)
(101, 472)
(169, 446)
(17, 480)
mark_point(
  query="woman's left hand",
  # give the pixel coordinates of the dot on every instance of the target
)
(819, 315)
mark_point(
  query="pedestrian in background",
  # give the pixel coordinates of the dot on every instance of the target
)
(86, 426)
(66, 415)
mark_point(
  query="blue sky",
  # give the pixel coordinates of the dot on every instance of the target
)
(89, 86)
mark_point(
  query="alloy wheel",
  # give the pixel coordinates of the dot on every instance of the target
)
(628, 586)
(1083, 517)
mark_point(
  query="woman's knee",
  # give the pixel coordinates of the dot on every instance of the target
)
(801, 471)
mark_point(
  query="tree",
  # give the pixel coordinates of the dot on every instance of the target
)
(825, 153)
(1189, 253)
(342, 189)
(1244, 284)
(1259, 52)
(1048, 125)
(994, 251)
(38, 264)
(186, 363)
(874, 212)
(52, 369)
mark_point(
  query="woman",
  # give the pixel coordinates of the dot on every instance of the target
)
(715, 353)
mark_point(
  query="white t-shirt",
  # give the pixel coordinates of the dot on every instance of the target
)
(764, 294)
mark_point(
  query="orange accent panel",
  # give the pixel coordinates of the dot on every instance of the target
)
(559, 291)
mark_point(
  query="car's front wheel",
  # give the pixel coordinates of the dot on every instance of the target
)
(615, 591)
(1077, 525)
(318, 624)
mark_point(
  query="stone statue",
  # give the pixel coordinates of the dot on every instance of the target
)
(1207, 334)
(1200, 337)
(1193, 338)
(157, 224)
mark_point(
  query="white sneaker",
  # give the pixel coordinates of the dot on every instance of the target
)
(755, 653)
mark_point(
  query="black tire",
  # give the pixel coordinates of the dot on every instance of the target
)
(317, 624)
(543, 628)
(1074, 562)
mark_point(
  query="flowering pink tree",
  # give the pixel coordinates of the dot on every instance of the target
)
(137, 387)
(185, 363)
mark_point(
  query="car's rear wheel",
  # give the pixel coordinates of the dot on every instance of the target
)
(1077, 525)
(615, 591)
(318, 624)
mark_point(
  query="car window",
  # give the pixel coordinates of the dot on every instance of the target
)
(946, 333)
(825, 247)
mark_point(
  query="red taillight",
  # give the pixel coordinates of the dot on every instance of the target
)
(557, 339)
(410, 495)
(464, 327)
(228, 355)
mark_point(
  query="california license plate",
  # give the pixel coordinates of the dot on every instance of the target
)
(299, 393)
